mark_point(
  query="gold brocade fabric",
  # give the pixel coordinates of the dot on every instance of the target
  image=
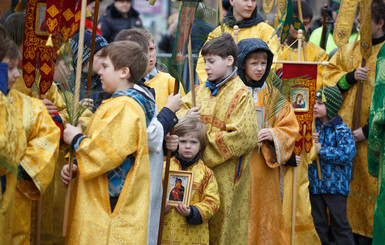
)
(204, 196)
(262, 31)
(267, 225)
(363, 187)
(11, 153)
(231, 126)
(313, 53)
(163, 84)
(116, 130)
(38, 161)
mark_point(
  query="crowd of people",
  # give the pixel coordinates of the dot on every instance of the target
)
(235, 133)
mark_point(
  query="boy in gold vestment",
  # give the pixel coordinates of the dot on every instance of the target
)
(227, 109)
(190, 225)
(110, 200)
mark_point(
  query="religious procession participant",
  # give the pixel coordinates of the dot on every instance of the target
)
(190, 224)
(376, 147)
(36, 169)
(345, 71)
(226, 107)
(276, 137)
(305, 231)
(245, 15)
(12, 146)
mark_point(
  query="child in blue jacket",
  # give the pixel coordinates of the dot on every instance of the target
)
(335, 148)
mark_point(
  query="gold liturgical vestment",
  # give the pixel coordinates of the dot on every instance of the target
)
(12, 148)
(305, 232)
(204, 196)
(268, 224)
(363, 187)
(38, 161)
(163, 84)
(232, 132)
(262, 30)
(117, 129)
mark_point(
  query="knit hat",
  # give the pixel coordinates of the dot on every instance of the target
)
(100, 43)
(333, 101)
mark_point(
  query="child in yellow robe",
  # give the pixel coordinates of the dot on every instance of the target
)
(110, 200)
(190, 225)
(277, 138)
(227, 109)
(37, 166)
(12, 147)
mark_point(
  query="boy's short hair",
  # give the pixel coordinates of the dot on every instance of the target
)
(257, 54)
(14, 24)
(188, 124)
(307, 11)
(133, 35)
(7, 47)
(222, 46)
(147, 34)
(127, 54)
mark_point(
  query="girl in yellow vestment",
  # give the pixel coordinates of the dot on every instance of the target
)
(12, 146)
(277, 137)
(227, 109)
(190, 225)
(110, 200)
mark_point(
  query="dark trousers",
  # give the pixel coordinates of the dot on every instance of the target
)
(339, 224)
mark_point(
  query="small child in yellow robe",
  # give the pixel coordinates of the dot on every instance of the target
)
(110, 200)
(182, 224)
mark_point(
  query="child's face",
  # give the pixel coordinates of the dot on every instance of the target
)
(242, 9)
(189, 145)
(63, 71)
(113, 80)
(123, 6)
(320, 111)
(97, 62)
(13, 72)
(255, 68)
(151, 56)
(217, 68)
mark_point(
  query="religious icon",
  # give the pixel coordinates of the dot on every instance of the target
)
(179, 187)
(41, 28)
(300, 100)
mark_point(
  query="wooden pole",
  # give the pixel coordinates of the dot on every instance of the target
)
(220, 8)
(91, 61)
(166, 180)
(301, 43)
(191, 73)
(323, 36)
(76, 107)
(38, 220)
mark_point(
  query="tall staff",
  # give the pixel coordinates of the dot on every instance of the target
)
(76, 107)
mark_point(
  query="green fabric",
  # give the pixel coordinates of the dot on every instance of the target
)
(285, 21)
(343, 83)
(376, 147)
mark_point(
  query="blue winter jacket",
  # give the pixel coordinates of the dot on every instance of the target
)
(337, 151)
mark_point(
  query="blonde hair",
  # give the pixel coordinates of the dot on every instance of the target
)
(190, 124)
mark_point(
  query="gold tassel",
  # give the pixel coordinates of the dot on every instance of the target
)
(323, 97)
(152, 2)
(88, 13)
(19, 7)
(49, 41)
(276, 21)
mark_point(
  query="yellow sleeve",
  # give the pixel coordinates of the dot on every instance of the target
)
(111, 138)
(42, 151)
(12, 137)
(210, 201)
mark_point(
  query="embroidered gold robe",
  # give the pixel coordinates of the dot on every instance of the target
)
(12, 148)
(363, 187)
(117, 129)
(232, 131)
(38, 161)
(163, 84)
(304, 226)
(262, 30)
(268, 224)
(204, 196)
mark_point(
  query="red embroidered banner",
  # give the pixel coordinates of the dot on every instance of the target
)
(302, 99)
